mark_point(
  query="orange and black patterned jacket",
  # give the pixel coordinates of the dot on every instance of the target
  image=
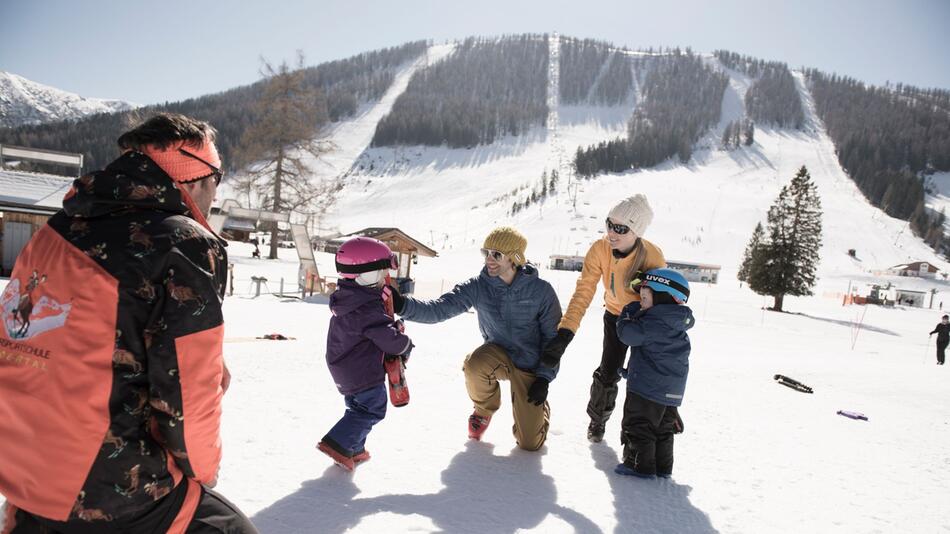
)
(111, 351)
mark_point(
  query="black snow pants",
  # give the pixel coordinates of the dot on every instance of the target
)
(603, 389)
(647, 437)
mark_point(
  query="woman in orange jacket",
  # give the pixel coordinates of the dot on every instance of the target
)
(615, 260)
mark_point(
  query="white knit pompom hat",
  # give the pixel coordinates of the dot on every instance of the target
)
(634, 212)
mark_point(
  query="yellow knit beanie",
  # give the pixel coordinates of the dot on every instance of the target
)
(509, 241)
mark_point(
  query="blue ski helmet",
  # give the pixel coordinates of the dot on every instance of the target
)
(668, 281)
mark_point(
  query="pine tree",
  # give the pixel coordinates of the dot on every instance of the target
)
(786, 265)
(757, 240)
(275, 146)
(749, 133)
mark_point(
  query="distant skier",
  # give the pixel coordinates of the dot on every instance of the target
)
(943, 337)
(518, 313)
(361, 333)
(614, 260)
(655, 329)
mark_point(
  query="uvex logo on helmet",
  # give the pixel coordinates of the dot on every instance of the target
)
(667, 281)
(655, 278)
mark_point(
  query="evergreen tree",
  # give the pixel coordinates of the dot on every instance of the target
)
(758, 239)
(786, 265)
(274, 147)
(749, 133)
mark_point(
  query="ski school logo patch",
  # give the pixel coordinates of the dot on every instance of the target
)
(25, 314)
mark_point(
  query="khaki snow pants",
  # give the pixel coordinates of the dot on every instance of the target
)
(483, 368)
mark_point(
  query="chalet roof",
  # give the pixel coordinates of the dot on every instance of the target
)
(32, 192)
(384, 232)
(914, 266)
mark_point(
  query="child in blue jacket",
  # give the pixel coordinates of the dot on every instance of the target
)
(655, 329)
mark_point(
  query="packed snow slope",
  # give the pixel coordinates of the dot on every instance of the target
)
(705, 209)
(755, 456)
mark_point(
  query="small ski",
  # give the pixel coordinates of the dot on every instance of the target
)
(395, 366)
(792, 383)
(853, 415)
(396, 377)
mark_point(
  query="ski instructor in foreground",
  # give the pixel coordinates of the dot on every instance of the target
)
(111, 367)
(517, 314)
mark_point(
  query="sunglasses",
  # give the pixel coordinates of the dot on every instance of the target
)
(216, 172)
(496, 255)
(617, 228)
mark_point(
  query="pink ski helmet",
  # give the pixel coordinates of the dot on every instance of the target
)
(363, 255)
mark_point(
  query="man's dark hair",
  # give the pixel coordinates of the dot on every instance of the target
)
(946, 317)
(164, 129)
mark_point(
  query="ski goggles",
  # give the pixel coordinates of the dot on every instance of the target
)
(215, 171)
(617, 228)
(392, 262)
(496, 255)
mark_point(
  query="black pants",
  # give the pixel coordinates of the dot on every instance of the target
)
(648, 429)
(603, 389)
(214, 515)
(941, 347)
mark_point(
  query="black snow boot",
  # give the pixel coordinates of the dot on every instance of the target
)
(603, 399)
(595, 432)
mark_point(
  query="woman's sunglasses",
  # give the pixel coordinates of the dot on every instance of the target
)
(496, 255)
(216, 172)
(617, 228)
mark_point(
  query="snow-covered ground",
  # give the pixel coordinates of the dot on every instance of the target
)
(755, 457)
(938, 199)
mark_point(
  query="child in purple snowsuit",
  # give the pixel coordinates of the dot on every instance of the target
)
(361, 333)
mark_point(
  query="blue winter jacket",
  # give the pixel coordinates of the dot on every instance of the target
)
(659, 350)
(360, 334)
(521, 317)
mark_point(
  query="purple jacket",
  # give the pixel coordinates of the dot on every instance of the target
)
(360, 333)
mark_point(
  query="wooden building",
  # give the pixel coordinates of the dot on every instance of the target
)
(27, 200)
(696, 272)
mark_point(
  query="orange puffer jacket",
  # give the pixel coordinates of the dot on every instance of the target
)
(601, 265)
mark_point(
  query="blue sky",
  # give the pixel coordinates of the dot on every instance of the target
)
(148, 52)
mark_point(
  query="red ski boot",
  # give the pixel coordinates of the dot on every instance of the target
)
(477, 425)
(361, 457)
(348, 463)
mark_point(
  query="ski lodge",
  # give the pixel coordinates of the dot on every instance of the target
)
(560, 262)
(29, 199)
(920, 269)
(696, 272)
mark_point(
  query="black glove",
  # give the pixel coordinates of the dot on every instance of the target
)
(551, 355)
(404, 356)
(399, 301)
(538, 392)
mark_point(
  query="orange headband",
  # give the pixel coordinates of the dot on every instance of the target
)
(180, 167)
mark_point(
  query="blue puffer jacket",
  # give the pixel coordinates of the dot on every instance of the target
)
(360, 334)
(521, 317)
(659, 350)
